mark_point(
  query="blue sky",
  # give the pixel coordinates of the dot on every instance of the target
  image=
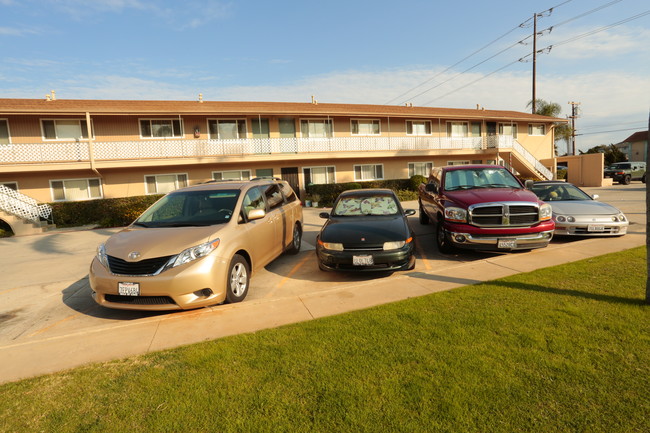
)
(354, 51)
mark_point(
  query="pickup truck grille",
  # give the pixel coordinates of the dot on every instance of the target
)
(504, 214)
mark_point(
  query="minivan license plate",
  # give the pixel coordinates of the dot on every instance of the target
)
(362, 261)
(128, 289)
(507, 243)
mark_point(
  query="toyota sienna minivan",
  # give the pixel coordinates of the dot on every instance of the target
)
(197, 246)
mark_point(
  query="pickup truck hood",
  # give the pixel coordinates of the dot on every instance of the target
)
(468, 197)
(158, 242)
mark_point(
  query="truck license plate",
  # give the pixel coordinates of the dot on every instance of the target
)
(362, 261)
(128, 289)
(595, 228)
(507, 243)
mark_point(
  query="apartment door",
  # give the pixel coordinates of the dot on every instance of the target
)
(290, 174)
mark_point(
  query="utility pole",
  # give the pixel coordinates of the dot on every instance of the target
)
(534, 61)
(573, 116)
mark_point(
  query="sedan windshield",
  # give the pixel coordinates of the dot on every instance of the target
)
(366, 205)
(191, 208)
(479, 178)
(557, 192)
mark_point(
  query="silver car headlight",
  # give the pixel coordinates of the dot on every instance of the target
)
(456, 214)
(546, 212)
(194, 253)
(619, 218)
(102, 257)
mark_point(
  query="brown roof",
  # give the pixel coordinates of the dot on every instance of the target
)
(124, 107)
(637, 136)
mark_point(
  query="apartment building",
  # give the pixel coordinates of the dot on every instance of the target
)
(61, 150)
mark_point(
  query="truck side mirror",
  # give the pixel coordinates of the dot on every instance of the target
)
(529, 183)
(431, 187)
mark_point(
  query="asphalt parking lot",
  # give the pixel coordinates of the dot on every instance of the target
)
(45, 297)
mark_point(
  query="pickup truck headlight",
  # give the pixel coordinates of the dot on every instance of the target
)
(456, 214)
(545, 212)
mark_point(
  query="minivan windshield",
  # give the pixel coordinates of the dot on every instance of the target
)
(191, 208)
(471, 178)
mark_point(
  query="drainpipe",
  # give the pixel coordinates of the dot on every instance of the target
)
(91, 146)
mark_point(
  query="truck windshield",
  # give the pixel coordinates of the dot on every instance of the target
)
(479, 178)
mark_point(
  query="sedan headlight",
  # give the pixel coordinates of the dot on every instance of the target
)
(102, 257)
(456, 214)
(565, 218)
(396, 245)
(619, 218)
(546, 212)
(334, 246)
(194, 253)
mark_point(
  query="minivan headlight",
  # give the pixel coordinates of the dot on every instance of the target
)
(102, 257)
(194, 253)
(545, 212)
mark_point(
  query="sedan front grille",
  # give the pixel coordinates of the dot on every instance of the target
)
(143, 267)
(504, 214)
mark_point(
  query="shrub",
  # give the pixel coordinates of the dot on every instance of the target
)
(328, 192)
(415, 181)
(406, 195)
(108, 212)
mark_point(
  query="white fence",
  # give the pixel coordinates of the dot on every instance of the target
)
(22, 206)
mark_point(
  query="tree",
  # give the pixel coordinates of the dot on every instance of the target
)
(612, 153)
(563, 131)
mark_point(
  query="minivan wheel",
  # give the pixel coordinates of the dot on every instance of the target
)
(294, 248)
(238, 279)
(626, 179)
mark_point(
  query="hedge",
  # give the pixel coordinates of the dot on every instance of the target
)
(406, 189)
(108, 212)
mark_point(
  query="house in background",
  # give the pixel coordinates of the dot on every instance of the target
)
(64, 150)
(635, 147)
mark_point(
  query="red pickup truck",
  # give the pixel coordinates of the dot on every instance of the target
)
(483, 207)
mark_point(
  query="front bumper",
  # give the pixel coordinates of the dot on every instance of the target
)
(396, 260)
(591, 228)
(174, 289)
(500, 242)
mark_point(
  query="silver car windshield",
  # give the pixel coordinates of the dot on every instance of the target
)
(191, 208)
(557, 192)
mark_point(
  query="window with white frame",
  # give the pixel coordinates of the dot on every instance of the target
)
(319, 175)
(75, 189)
(11, 185)
(161, 128)
(457, 129)
(508, 129)
(458, 162)
(421, 168)
(4, 132)
(232, 175)
(164, 183)
(227, 129)
(536, 129)
(365, 127)
(369, 172)
(64, 129)
(418, 127)
(316, 128)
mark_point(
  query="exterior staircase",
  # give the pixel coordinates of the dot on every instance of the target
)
(23, 214)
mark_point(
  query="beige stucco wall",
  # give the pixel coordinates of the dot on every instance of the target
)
(586, 169)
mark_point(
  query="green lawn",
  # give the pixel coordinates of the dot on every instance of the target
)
(562, 349)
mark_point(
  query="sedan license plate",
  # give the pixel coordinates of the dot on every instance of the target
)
(595, 228)
(128, 289)
(362, 261)
(507, 243)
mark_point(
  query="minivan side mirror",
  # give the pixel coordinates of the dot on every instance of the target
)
(256, 214)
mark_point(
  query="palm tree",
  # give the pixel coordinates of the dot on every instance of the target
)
(552, 109)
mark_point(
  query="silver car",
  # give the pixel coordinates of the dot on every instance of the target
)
(576, 213)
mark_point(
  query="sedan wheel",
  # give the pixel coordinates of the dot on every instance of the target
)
(237, 285)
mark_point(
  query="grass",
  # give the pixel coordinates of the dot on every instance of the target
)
(562, 349)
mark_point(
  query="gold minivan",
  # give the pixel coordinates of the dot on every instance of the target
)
(197, 246)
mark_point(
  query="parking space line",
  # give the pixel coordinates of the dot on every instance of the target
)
(58, 322)
(293, 270)
(8, 290)
(423, 256)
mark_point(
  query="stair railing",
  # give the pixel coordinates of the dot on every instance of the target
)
(22, 206)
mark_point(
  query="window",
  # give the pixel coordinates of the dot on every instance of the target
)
(460, 162)
(260, 128)
(273, 196)
(164, 183)
(508, 129)
(4, 132)
(316, 128)
(287, 127)
(457, 129)
(476, 129)
(75, 189)
(161, 128)
(421, 168)
(365, 127)
(418, 127)
(227, 129)
(369, 172)
(232, 175)
(64, 129)
(10, 185)
(289, 194)
(536, 129)
(319, 175)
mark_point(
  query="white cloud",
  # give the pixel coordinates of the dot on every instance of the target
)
(613, 42)
(14, 31)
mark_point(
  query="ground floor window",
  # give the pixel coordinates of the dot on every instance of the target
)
(232, 175)
(369, 172)
(164, 183)
(75, 189)
(319, 175)
(421, 168)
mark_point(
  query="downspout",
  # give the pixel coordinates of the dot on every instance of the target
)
(91, 146)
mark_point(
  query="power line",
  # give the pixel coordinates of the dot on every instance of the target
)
(617, 123)
(585, 14)
(611, 130)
